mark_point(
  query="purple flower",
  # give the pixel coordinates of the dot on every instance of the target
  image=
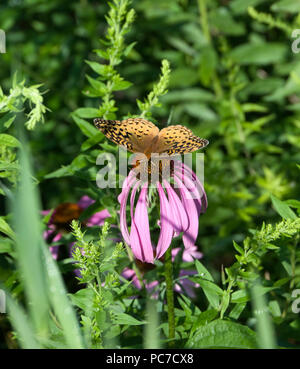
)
(62, 216)
(184, 285)
(181, 204)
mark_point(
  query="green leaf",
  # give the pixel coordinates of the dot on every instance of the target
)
(238, 248)
(6, 245)
(202, 271)
(222, 19)
(87, 113)
(86, 128)
(241, 296)
(289, 6)
(121, 85)
(125, 319)
(9, 166)
(5, 228)
(6, 121)
(187, 94)
(205, 318)
(61, 304)
(61, 172)
(129, 48)
(274, 308)
(211, 291)
(21, 324)
(97, 67)
(293, 203)
(241, 6)
(29, 247)
(97, 85)
(223, 334)
(92, 141)
(8, 140)
(83, 298)
(237, 311)
(259, 53)
(283, 209)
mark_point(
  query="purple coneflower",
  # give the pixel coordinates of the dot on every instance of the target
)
(182, 199)
(62, 216)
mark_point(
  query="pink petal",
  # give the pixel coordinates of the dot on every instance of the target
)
(166, 230)
(137, 252)
(45, 212)
(178, 213)
(85, 202)
(190, 235)
(98, 218)
(188, 255)
(128, 273)
(184, 171)
(128, 183)
(140, 240)
(191, 253)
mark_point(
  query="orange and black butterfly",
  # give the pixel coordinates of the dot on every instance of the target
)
(139, 135)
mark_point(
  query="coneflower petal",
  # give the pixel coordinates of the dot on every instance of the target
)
(166, 227)
(190, 235)
(185, 173)
(122, 198)
(179, 217)
(140, 240)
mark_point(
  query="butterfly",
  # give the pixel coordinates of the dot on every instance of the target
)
(139, 135)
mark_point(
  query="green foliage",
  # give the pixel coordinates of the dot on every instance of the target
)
(14, 102)
(97, 271)
(158, 90)
(233, 79)
(11, 106)
(109, 80)
(45, 294)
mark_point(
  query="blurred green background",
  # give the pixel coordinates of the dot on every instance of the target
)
(234, 81)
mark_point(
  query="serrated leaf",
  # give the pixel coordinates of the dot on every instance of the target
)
(223, 334)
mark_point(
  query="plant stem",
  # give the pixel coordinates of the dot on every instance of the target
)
(170, 295)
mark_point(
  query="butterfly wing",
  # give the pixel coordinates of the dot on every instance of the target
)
(136, 134)
(178, 140)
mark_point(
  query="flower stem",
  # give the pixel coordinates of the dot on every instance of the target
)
(170, 295)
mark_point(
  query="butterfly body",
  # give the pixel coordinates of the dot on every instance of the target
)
(142, 136)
